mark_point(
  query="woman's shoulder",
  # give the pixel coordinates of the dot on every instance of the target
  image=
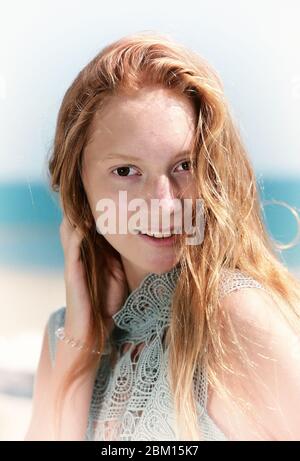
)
(57, 314)
(267, 340)
(56, 319)
(235, 279)
(246, 299)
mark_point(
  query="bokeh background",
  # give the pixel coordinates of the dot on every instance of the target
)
(253, 45)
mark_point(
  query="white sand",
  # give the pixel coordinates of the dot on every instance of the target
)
(26, 300)
(15, 413)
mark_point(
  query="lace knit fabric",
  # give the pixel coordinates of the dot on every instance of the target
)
(132, 400)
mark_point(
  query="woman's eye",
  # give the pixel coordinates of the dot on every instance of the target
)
(123, 171)
(186, 165)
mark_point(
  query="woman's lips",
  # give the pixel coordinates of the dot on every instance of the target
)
(160, 242)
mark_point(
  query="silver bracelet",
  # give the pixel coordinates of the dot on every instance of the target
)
(60, 334)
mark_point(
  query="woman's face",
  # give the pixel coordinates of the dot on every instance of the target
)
(139, 144)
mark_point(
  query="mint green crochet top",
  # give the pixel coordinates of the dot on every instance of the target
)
(132, 400)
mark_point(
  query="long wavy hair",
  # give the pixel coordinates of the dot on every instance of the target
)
(235, 236)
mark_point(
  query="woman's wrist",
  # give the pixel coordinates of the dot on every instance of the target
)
(76, 343)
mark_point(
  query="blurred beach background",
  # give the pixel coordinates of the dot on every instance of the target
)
(42, 50)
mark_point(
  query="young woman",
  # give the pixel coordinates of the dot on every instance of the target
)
(179, 341)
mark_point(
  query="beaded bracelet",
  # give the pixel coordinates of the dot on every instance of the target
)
(60, 334)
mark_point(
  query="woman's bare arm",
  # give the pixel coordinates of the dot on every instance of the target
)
(49, 379)
(76, 403)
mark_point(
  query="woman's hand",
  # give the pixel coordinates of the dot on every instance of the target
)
(78, 304)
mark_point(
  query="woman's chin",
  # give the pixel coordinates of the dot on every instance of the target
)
(161, 264)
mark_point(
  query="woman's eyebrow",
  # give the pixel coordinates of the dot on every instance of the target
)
(113, 155)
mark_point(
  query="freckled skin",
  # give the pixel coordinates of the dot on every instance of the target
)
(155, 125)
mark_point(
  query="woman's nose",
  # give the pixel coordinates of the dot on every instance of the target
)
(162, 189)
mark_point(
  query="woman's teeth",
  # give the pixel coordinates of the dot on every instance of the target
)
(159, 235)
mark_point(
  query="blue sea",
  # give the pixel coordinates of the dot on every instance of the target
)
(30, 217)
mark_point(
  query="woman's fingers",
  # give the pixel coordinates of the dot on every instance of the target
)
(78, 299)
(71, 238)
(78, 312)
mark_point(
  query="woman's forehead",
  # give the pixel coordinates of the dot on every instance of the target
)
(143, 121)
